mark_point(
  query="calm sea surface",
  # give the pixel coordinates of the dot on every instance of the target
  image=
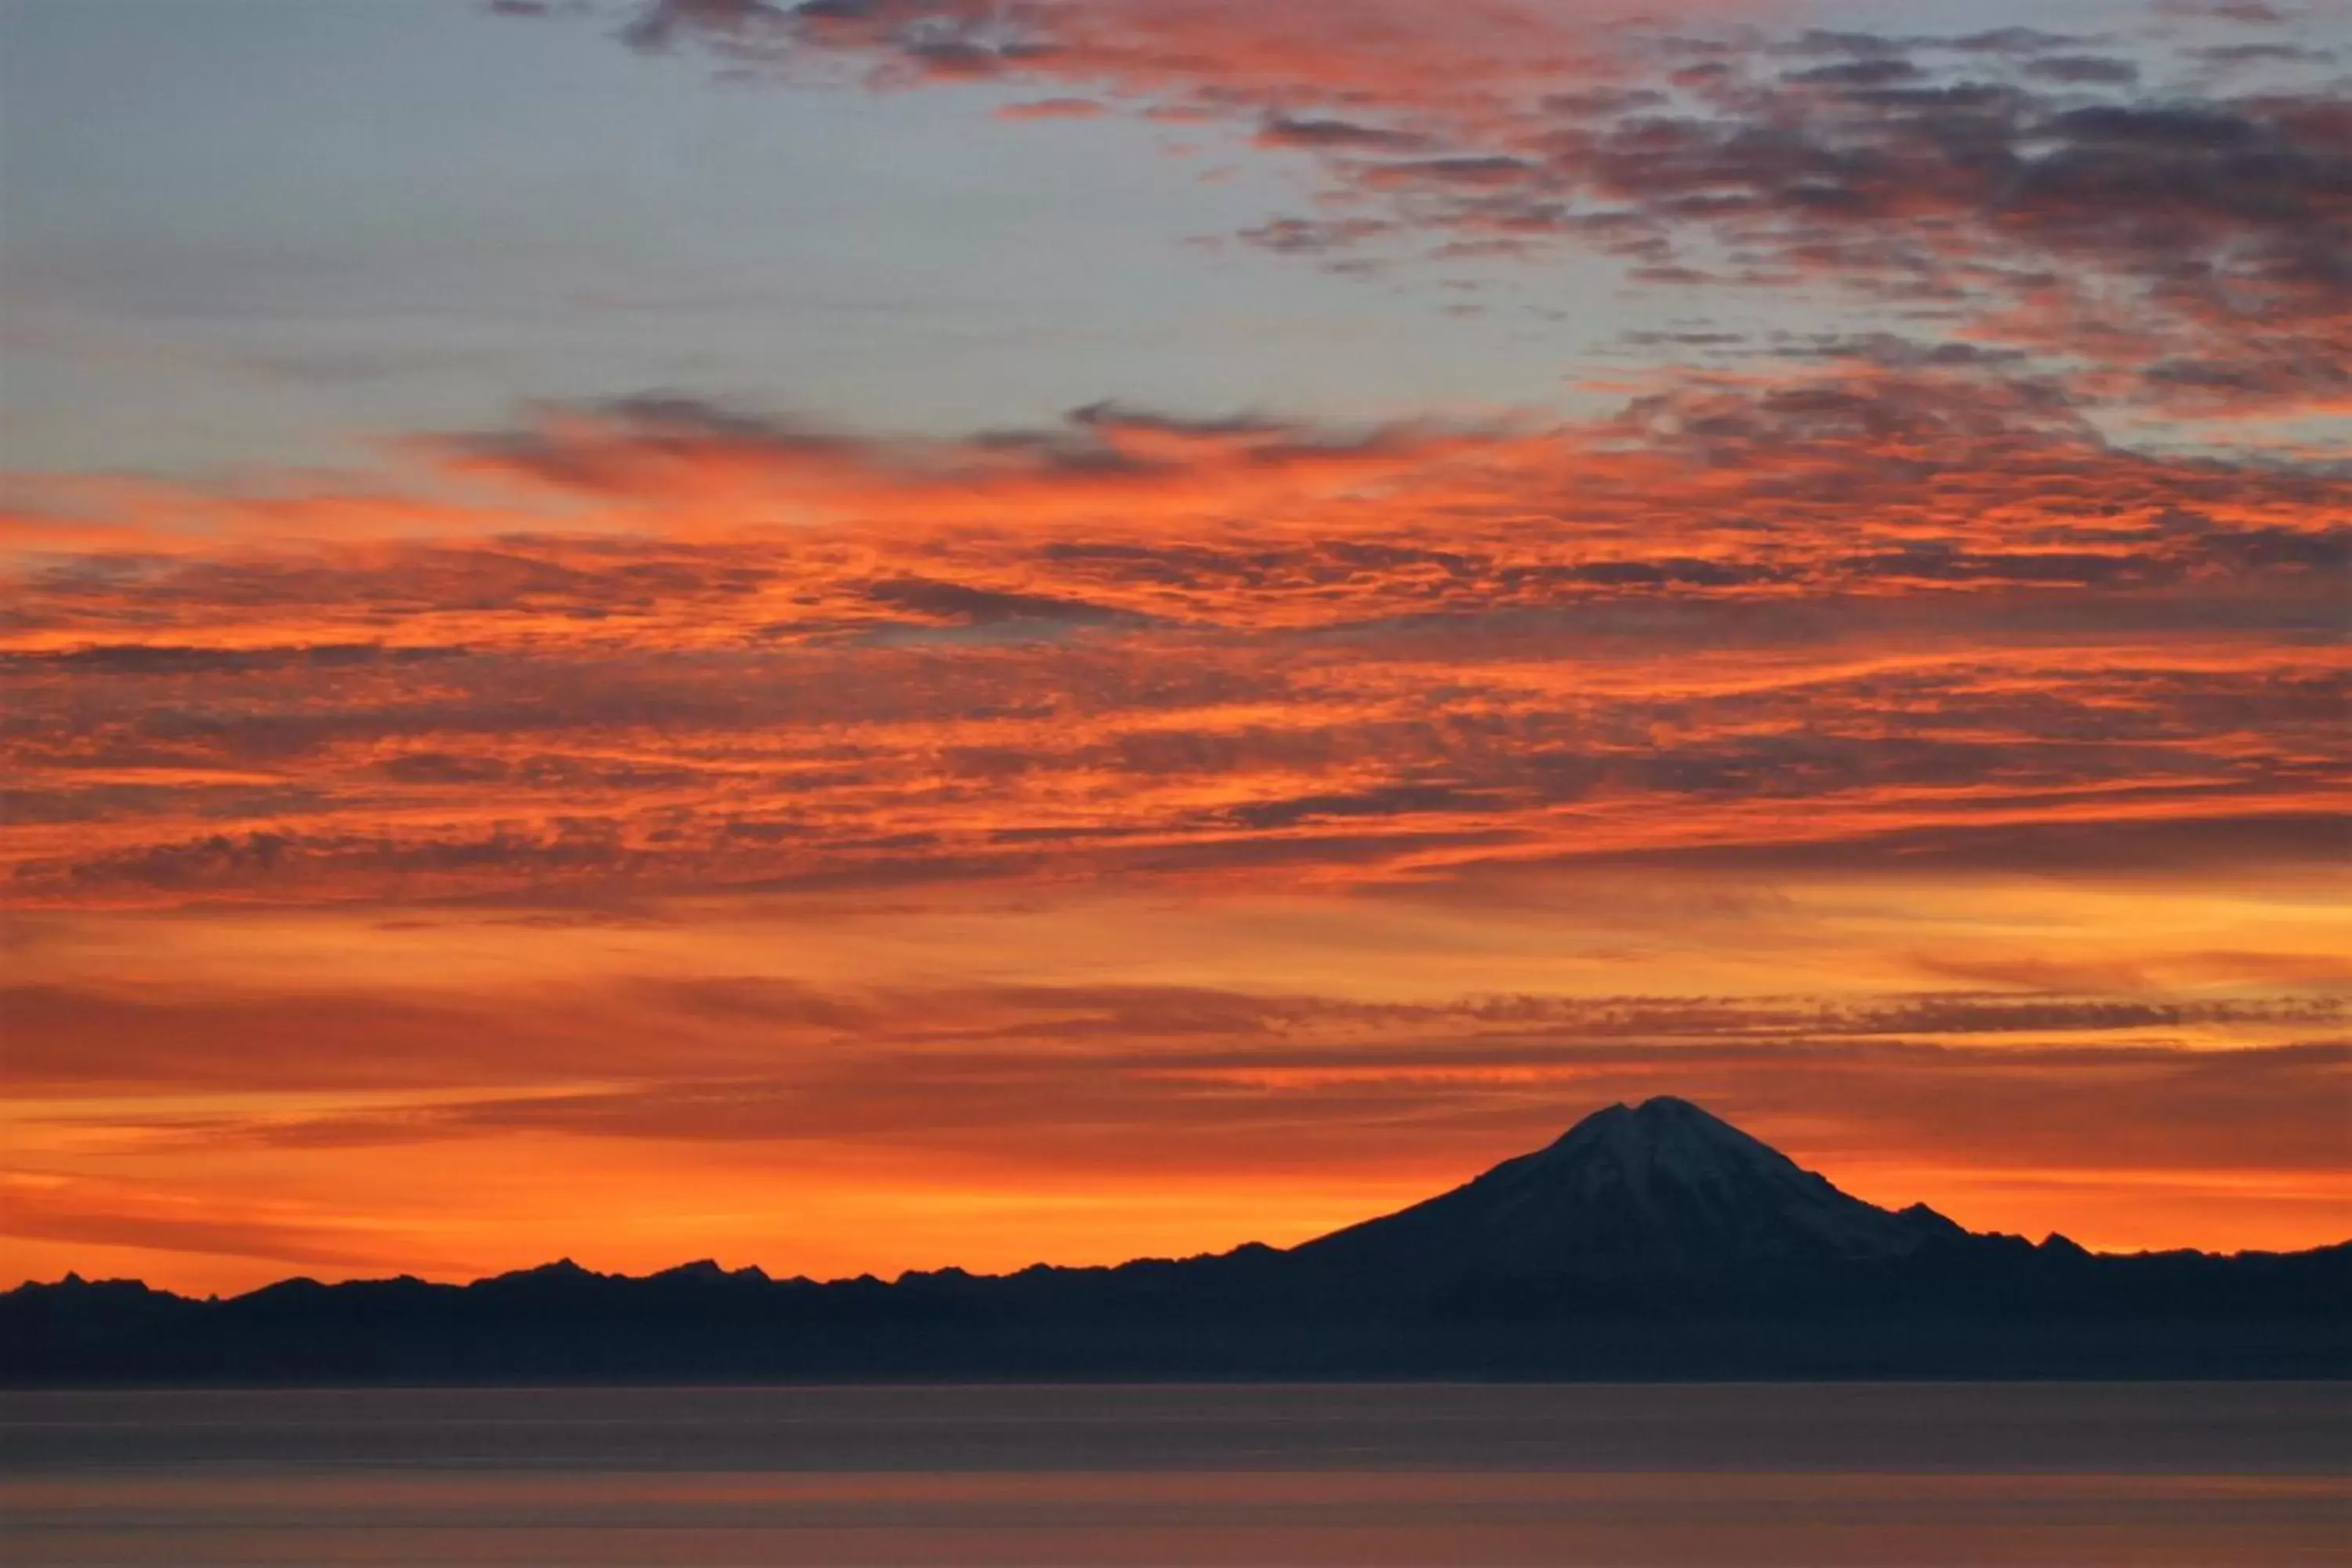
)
(1753, 1475)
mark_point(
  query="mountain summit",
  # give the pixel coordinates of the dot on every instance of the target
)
(1661, 1185)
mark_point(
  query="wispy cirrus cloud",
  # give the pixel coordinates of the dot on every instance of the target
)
(718, 1029)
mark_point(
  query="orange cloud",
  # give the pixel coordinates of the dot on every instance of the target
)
(1052, 108)
(1860, 619)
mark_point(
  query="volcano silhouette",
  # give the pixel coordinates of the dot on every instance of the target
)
(1653, 1240)
(1662, 1184)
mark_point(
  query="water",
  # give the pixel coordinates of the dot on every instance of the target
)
(1756, 1475)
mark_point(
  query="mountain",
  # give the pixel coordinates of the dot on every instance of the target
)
(1649, 1241)
(1661, 1186)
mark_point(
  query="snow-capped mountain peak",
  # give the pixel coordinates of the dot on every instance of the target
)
(1662, 1184)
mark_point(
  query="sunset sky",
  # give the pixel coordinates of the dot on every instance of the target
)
(889, 633)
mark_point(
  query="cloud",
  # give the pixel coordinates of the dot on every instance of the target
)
(1241, 1083)
(2092, 202)
(2095, 1111)
(956, 604)
(658, 644)
(110, 1215)
(713, 1029)
(1285, 131)
(1052, 108)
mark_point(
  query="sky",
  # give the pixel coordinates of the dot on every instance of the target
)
(880, 633)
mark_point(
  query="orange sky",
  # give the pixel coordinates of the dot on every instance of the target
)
(652, 827)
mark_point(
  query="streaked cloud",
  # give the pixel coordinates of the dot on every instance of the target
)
(712, 649)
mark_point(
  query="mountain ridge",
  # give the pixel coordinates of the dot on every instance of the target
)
(1654, 1240)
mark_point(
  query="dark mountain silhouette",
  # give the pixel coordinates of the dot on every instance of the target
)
(1649, 1241)
(1661, 1185)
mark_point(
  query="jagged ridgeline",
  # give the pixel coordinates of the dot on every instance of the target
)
(1653, 1241)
